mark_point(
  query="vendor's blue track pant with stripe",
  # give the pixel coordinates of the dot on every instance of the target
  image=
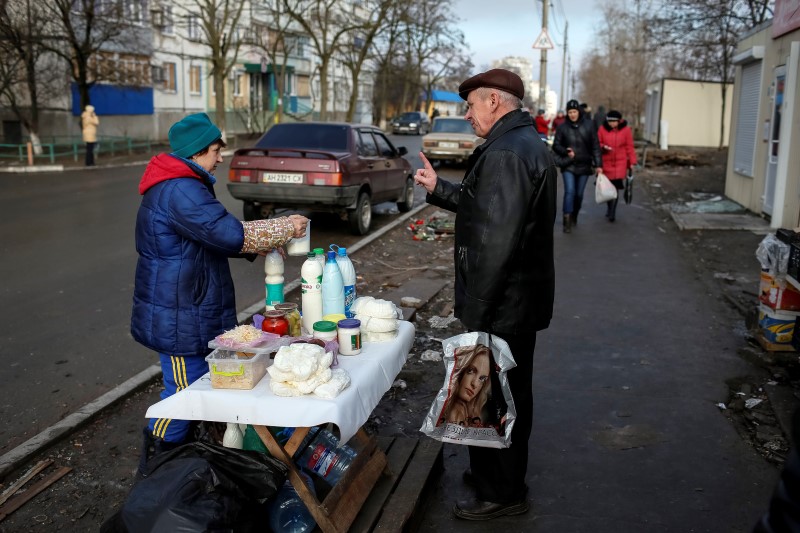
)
(179, 372)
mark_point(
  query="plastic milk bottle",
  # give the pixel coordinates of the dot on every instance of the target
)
(348, 279)
(332, 287)
(311, 286)
(273, 281)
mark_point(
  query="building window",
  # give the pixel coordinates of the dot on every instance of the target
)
(135, 11)
(236, 83)
(195, 86)
(193, 28)
(303, 86)
(169, 25)
(170, 78)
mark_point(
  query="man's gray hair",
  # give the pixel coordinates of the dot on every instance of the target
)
(506, 98)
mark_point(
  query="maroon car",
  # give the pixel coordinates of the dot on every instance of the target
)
(322, 166)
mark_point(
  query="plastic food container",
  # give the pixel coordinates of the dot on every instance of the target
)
(233, 370)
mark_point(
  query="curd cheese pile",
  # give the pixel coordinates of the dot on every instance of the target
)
(303, 368)
(380, 319)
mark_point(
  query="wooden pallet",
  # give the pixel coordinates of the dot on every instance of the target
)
(396, 502)
(382, 489)
(773, 347)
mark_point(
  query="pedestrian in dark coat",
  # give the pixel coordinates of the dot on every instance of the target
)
(183, 295)
(619, 156)
(576, 151)
(505, 210)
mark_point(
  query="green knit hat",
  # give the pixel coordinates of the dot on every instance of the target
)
(192, 134)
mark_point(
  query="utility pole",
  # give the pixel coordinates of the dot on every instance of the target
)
(563, 95)
(543, 61)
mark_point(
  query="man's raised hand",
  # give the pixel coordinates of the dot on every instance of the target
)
(425, 176)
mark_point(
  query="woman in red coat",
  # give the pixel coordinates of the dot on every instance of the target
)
(616, 143)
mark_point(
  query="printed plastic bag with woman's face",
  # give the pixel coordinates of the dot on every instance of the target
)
(474, 406)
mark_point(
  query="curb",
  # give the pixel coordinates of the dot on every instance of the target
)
(62, 168)
(34, 168)
(11, 460)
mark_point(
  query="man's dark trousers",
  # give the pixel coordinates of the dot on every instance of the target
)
(500, 473)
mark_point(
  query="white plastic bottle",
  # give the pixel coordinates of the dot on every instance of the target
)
(348, 279)
(273, 280)
(311, 286)
(332, 287)
(319, 254)
(233, 437)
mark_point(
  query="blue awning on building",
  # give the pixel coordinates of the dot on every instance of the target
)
(445, 96)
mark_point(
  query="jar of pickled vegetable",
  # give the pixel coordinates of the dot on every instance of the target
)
(293, 316)
(275, 322)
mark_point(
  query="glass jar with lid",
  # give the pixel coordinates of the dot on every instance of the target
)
(275, 322)
(325, 330)
(292, 315)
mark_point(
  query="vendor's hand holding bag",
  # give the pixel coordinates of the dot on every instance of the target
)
(474, 406)
(604, 190)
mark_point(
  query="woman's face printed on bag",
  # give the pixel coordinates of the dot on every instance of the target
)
(474, 377)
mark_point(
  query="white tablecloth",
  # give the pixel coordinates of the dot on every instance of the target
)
(372, 373)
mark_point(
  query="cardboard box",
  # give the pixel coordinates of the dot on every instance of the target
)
(776, 326)
(778, 294)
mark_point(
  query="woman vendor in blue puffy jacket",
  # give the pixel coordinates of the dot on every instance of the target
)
(184, 296)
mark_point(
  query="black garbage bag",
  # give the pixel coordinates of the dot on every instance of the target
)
(201, 487)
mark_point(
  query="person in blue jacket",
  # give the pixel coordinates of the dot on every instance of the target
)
(183, 295)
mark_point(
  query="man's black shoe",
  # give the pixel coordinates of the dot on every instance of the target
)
(469, 479)
(480, 510)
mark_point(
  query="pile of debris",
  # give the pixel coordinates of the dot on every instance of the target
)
(438, 226)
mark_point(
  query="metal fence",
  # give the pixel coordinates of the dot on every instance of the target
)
(65, 146)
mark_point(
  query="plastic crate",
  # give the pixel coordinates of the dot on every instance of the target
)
(793, 267)
(788, 236)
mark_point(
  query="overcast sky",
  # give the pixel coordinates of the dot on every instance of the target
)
(498, 28)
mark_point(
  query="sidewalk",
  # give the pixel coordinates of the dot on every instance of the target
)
(627, 435)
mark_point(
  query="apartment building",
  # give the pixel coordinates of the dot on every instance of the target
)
(163, 72)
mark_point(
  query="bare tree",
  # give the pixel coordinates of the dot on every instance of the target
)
(81, 31)
(361, 44)
(623, 61)
(275, 37)
(27, 75)
(384, 50)
(325, 22)
(218, 24)
(707, 32)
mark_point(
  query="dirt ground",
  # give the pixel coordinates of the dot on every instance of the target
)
(104, 454)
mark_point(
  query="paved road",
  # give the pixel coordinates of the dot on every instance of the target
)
(67, 261)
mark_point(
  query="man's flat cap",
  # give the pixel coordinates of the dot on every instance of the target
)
(497, 78)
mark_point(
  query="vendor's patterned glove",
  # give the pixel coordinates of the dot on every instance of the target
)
(263, 235)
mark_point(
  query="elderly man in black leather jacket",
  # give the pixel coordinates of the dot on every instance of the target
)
(505, 279)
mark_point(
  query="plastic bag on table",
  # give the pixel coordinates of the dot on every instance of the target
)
(474, 406)
(201, 487)
(773, 254)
